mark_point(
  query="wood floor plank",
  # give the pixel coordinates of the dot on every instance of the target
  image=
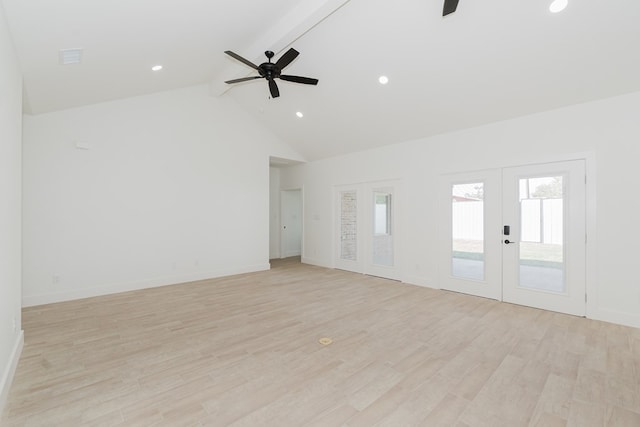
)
(447, 412)
(244, 351)
(555, 400)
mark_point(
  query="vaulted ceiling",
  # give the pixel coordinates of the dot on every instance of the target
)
(491, 60)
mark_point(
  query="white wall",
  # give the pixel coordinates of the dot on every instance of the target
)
(173, 187)
(607, 130)
(10, 207)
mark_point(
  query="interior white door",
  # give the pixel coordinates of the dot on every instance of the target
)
(470, 260)
(544, 251)
(291, 223)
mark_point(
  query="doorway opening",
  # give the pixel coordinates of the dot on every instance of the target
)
(285, 215)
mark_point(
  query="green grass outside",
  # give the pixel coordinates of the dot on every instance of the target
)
(531, 254)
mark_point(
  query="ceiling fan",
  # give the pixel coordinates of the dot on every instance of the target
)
(270, 71)
(450, 6)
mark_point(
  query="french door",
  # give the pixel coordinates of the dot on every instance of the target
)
(471, 256)
(544, 266)
(517, 235)
(367, 229)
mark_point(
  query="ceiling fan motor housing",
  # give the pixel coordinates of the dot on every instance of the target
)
(269, 70)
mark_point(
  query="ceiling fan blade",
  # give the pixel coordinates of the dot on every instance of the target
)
(450, 6)
(286, 59)
(244, 79)
(298, 79)
(273, 87)
(241, 59)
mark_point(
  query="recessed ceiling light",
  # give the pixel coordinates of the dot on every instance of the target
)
(558, 6)
(299, 114)
(383, 80)
(156, 67)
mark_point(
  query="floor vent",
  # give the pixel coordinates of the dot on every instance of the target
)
(325, 341)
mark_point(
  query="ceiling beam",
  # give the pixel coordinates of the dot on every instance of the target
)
(296, 23)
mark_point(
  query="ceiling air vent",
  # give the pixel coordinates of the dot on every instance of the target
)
(70, 56)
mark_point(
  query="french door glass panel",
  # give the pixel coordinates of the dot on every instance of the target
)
(541, 249)
(382, 228)
(348, 241)
(467, 230)
(349, 225)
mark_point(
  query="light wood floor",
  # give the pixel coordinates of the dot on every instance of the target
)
(244, 351)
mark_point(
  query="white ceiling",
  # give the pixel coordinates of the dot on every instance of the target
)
(491, 60)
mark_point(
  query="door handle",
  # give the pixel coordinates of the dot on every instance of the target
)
(507, 241)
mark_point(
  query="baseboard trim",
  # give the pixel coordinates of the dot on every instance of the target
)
(34, 300)
(617, 317)
(290, 254)
(418, 281)
(10, 370)
(315, 262)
